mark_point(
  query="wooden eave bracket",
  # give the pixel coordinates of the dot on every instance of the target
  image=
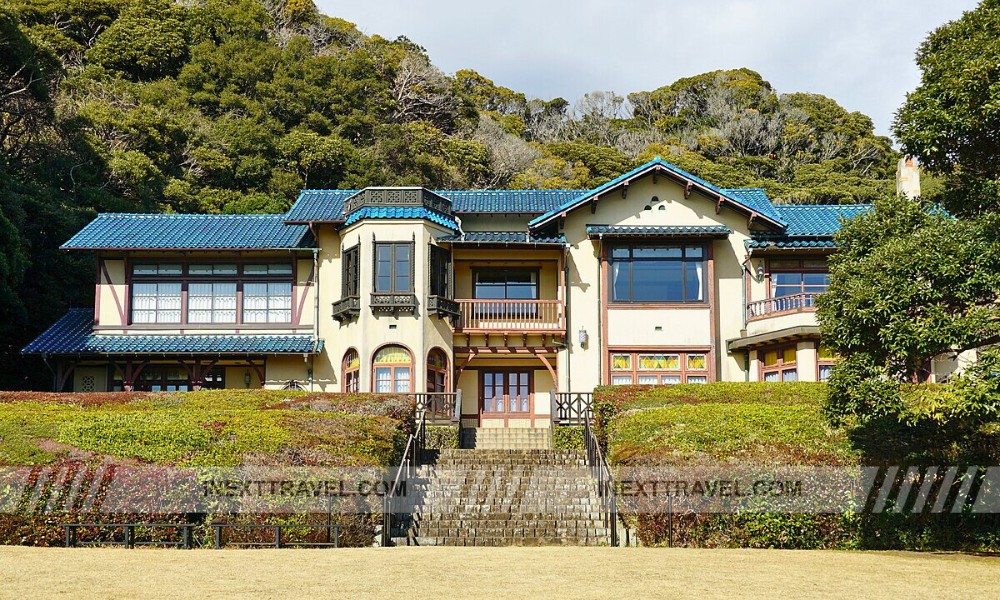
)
(687, 189)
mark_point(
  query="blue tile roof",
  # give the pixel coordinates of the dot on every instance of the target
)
(73, 334)
(658, 230)
(756, 202)
(328, 205)
(503, 237)
(790, 243)
(817, 219)
(189, 232)
(402, 212)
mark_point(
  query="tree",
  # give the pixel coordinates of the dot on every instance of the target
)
(950, 121)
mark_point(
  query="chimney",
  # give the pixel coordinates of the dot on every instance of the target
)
(908, 178)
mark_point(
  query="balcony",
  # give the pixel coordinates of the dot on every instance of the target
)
(770, 307)
(506, 316)
(444, 308)
(393, 302)
(347, 308)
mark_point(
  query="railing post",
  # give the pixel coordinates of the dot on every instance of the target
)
(457, 418)
(555, 407)
(218, 535)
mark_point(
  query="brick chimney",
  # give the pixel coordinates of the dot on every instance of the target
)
(908, 177)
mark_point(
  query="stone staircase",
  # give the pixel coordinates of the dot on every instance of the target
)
(507, 438)
(504, 497)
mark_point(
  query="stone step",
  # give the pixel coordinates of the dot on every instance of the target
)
(506, 437)
(510, 541)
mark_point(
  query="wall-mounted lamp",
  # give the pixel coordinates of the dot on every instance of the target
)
(760, 271)
(583, 336)
(246, 378)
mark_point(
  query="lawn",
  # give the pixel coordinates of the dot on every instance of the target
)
(493, 573)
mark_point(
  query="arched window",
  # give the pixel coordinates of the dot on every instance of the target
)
(393, 370)
(352, 371)
(437, 371)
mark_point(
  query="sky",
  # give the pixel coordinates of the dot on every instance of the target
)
(858, 52)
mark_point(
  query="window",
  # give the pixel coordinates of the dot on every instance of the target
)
(214, 379)
(392, 367)
(506, 284)
(825, 359)
(164, 270)
(779, 364)
(437, 371)
(394, 268)
(269, 302)
(216, 270)
(352, 371)
(212, 302)
(658, 273)
(273, 269)
(156, 378)
(156, 302)
(791, 277)
(440, 271)
(350, 283)
(658, 368)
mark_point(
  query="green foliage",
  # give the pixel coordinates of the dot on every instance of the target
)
(441, 437)
(568, 438)
(210, 428)
(218, 106)
(950, 119)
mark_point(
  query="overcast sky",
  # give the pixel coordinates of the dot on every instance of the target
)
(859, 52)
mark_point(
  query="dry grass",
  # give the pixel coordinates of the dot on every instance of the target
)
(492, 573)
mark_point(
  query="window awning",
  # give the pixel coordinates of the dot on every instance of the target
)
(802, 332)
(658, 231)
(504, 238)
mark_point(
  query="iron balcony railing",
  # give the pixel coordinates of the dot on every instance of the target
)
(791, 303)
(439, 408)
(511, 315)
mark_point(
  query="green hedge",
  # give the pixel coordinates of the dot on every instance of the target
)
(743, 424)
(441, 437)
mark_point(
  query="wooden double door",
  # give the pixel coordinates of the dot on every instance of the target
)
(506, 394)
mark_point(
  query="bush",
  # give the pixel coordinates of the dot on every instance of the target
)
(568, 438)
(441, 437)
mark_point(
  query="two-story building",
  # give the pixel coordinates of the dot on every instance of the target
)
(656, 277)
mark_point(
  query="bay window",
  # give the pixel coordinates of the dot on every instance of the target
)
(658, 273)
(393, 370)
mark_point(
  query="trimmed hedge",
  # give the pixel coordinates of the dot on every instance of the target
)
(749, 424)
(441, 437)
(78, 432)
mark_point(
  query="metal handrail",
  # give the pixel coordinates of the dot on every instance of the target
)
(412, 455)
(439, 407)
(600, 471)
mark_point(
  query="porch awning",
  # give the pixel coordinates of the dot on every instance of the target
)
(773, 337)
(658, 231)
(73, 334)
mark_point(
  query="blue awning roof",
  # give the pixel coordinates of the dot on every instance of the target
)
(189, 232)
(73, 334)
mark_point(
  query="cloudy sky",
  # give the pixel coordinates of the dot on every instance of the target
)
(859, 52)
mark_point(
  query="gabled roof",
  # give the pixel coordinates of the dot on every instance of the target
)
(402, 212)
(327, 206)
(504, 238)
(189, 232)
(755, 203)
(73, 334)
(659, 231)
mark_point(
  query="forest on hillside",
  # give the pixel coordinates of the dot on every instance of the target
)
(236, 105)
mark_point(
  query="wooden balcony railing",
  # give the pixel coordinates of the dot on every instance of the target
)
(511, 315)
(783, 304)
